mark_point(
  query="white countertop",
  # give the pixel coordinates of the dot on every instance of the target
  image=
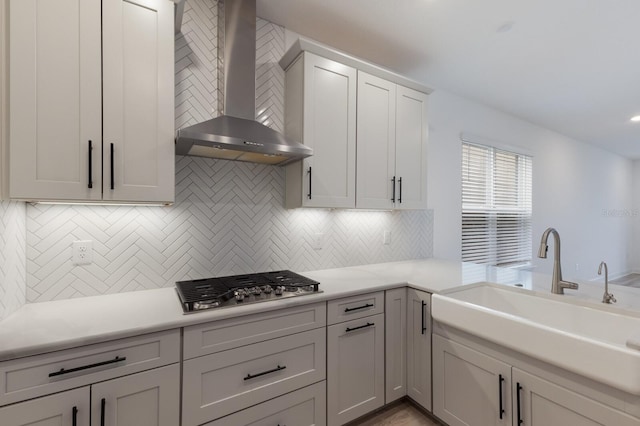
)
(49, 326)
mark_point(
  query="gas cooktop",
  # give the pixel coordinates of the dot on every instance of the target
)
(234, 290)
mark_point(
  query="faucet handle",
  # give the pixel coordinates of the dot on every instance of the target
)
(568, 284)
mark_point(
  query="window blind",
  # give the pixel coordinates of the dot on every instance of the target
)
(496, 206)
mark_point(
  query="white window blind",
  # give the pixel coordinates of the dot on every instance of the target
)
(496, 206)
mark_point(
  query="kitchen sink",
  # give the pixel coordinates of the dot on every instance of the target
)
(580, 337)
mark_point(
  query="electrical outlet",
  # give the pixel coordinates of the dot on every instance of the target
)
(577, 266)
(83, 252)
(386, 237)
(318, 241)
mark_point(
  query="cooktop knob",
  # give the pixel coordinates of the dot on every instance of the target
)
(267, 289)
(239, 294)
(280, 289)
(256, 290)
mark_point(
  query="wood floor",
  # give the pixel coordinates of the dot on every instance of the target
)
(401, 414)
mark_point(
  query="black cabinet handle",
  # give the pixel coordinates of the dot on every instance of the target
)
(368, 305)
(103, 403)
(518, 389)
(393, 197)
(424, 323)
(358, 328)
(500, 381)
(90, 166)
(113, 183)
(400, 197)
(74, 419)
(86, 367)
(253, 376)
(309, 194)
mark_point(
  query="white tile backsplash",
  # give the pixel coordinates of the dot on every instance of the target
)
(228, 217)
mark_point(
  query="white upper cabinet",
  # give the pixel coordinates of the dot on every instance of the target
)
(376, 142)
(55, 99)
(81, 71)
(320, 111)
(411, 148)
(392, 145)
(138, 100)
(367, 128)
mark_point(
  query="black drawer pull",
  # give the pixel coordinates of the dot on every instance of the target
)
(90, 166)
(424, 324)
(113, 179)
(518, 389)
(393, 182)
(309, 194)
(500, 381)
(400, 197)
(368, 305)
(74, 419)
(86, 367)
(358, 328)
(253, 376)
(103, 403)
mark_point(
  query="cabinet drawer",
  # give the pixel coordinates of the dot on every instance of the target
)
(304, 407)
(204, 339)
(225, 382)
(355, 307)
(34, 376)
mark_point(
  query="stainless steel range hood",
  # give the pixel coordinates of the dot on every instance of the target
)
(236, 135)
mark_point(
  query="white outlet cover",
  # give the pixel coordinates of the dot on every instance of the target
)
(318, 241)
(83, 252)
(386, 237)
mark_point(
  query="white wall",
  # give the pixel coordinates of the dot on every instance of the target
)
(635, 219)
(582, 191)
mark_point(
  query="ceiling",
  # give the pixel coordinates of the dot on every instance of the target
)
(572, 66)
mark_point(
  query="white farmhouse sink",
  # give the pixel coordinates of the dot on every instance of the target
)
(584, 339)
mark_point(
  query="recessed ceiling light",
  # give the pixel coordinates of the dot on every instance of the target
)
(505, 27)
(635, 119)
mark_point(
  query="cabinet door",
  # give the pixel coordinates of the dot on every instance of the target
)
(138, 96)
(411, 148)
(355, 368)
(330, 130)
(395, 324)
(151, 398)
(55, 100)
(376, 153)
(54, 410)
(543, 403)
(468, 386)
(419, 347)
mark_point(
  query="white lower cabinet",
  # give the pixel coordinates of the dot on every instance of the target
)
(304, 407)
(475, 389)
(150, 398)
(467, 386)
(395, 323)
(65, 408)
(355, 368)
(419, 347)
(538, 402)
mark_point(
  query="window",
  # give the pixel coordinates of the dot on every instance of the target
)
(496, 206)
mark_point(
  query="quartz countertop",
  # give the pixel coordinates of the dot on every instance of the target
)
(49, 326)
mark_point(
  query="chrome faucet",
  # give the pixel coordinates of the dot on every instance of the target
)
(607, 297)
(557, 284)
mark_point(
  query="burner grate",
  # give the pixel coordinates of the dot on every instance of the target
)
(215, 292)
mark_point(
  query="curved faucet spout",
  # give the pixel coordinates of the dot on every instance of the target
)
(557, 283)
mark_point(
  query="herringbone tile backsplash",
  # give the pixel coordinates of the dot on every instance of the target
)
(12, 256)
(228, 217)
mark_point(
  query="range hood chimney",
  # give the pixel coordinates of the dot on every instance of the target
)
(236, 135)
